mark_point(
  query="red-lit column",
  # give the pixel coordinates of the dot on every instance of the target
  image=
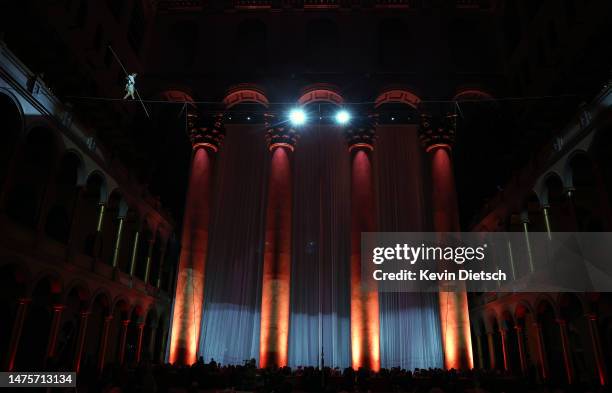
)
(365, 320)
(567, 354)
(597, 350)
(521, 348)
(80, 342)
(541, 350)
(58, 309)
(454, 314)
(22, 309)
(505, 350)
(125, 325)
(104, 342)
(187, 317)
(139, 333)
(274, 334)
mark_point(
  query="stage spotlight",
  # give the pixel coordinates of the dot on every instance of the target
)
(297, 117)
(343, 117)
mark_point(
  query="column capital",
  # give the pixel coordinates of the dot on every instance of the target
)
(437, 132)
(280, 134)
(125, 322)
(108, 318)
(207, 132)
(361, 133)
(561, 322)
(24, 301)
(58, 307)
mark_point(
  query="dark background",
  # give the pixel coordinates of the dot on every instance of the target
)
(538, 59)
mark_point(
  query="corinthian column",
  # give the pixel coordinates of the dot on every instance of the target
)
(454, 318)
(187, 318)
(274, 334)
(365, 322)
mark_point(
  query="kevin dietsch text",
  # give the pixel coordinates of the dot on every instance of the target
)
(414, 254)
(428, 275)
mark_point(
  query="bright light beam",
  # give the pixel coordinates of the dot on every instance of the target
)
(297, 117)
(343, 117)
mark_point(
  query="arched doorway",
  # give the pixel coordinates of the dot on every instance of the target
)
(93, 197)
(511, 343)
(146, 237)
(552, 341)
(130, 228)
(525, 321)
(161, 334)
(120, 316)
(583, 358)
(98, 312)
(110, 226)
(32, 348)
(76, 302)
(134, 337)
(148, 335)
(498, 350)
(13, 286)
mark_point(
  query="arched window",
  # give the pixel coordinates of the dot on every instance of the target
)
(144, 243)
(94, 195)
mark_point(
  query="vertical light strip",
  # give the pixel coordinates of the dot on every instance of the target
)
(187, 317)
(275, 298)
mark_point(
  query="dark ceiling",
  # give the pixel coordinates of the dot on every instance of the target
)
(538, 74)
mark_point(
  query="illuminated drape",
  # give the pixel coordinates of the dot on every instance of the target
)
(320, 273)
(409, 322)
(320, 289)
(230, 331)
